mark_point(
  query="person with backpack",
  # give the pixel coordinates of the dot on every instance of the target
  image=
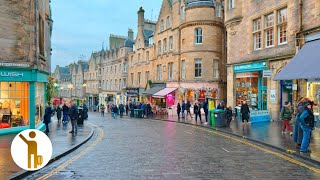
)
(306, 122)
(286, 116)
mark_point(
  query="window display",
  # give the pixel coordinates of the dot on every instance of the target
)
(314, 95)
(247, 88)
(14, 104)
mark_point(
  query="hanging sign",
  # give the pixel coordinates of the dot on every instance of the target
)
(267, 73)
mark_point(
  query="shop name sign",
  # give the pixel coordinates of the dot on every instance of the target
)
(11, 74)
(250, 67)
(267, 73)
(14, 64)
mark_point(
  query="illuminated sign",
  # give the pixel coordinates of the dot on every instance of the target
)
(11, 74)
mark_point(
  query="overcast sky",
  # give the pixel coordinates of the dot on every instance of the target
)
(81, 26)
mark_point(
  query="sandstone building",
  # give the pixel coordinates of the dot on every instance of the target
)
(25, 58)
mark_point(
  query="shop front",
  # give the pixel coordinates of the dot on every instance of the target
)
(133, 95)
(251, 86)
(165, 98)
(313, 92)
(22, 99)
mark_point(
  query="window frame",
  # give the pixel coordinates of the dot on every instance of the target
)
(171, 43)
(159, 47)
(198, 70)
(161, 25)
(280, 24)
(183, 69)
(147, 57)
(168, 22)
(231, 4)
(269, 27)
(165, 45)
(198, 35)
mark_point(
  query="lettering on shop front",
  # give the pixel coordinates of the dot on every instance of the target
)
(11, 74)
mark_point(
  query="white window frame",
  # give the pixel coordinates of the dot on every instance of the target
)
(268, 25)
(183, 69)
(282, 22)
(231, 4)
(171, 43)
(198, 35)
(198, 61)
(182, 13)
(147, 74)
(147, 57)
(257, 34)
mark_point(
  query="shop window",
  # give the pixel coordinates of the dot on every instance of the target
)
(247, 88)
(313, 91)
(14, 104)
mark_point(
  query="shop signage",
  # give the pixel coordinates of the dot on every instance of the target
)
(14, 64)
(273, 96)
(11, 74)
(259, 113)
(267, 73)
(132, 91)
(258, 66)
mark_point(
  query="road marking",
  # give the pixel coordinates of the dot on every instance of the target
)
(188, 132)
(225, 150)
(65, 164)
(261, 148)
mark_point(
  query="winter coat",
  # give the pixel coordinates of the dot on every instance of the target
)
(188, 106)
(297, 130)
(245, 111)
(115, 109)
(47, 115)
(183, 107)
(196, 109)
(178, 108)
(74, 113)
(306, 119)
(121, 108)
(286, 113)
(205, 107)
(59, 112)
(65, 109)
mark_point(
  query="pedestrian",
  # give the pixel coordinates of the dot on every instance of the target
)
(188, 106)
(74, 117)
(144, 110)
(121, 108)
(149, 110)
(115, 111)
(178, 110)
(197, 111)
(65, 110)
(103, 108)
(297, 130)
(127, 110)
(206, 110)
(228, 115)
(59, 113)
(183, 108)
(286, 116)
(47, 116)
(221, 105)
(245, 112)
(306, 122)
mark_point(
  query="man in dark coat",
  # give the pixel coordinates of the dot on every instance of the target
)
(183, 108)
(188, 106)
(205, 109)
(74, 117)
(197, 112)
(178, 110)
(127, 109)
(121, 108)
(245, 112)
(65, 110)
(47, 116)
(59, 112)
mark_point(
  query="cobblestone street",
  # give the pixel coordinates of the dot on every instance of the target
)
(151, 149)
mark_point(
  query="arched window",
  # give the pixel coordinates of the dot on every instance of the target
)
(198, 36)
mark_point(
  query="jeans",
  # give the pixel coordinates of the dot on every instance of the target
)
(305, 139)
(198, 114)
(74, 125)
(206, 115)
(65, 117)
(115, 115)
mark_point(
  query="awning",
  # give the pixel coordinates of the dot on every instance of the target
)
(154, 89)
(163, 92)
(304, 65)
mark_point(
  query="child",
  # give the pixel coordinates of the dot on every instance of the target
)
(228, 115)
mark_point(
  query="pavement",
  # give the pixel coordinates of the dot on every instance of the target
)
(131, 148)
(62, 142)
(265, 132)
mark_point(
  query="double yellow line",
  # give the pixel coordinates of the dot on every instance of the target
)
(67, 163)
(262, 149)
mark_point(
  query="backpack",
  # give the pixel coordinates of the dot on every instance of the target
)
(309, 120)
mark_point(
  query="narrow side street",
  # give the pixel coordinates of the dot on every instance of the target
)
(151, 149)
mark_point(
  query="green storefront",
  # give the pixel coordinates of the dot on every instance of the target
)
(22, 99)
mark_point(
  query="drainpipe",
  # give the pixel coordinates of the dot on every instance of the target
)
(35, 32)
(298, 35)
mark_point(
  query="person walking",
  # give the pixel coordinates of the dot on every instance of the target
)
(206, 110)
(74, 117)
(47, 116)
(65, 110)
(183, 108)
(127, 110)
(286, 116)
(115, 111)
(121, 108)
(59, 113)
(188, 106)
(297, 130)
(178, 110)
(306, 122)
(245, 112)
(228, 115)
(103, 108)
(197, 112)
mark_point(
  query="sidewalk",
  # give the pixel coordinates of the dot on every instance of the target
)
(265, 132)
(62, 141)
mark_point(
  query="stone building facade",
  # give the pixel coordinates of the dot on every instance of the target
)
(62, 75)
(184, 50)
(25, 58)
(262, 37)
(78, 88)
